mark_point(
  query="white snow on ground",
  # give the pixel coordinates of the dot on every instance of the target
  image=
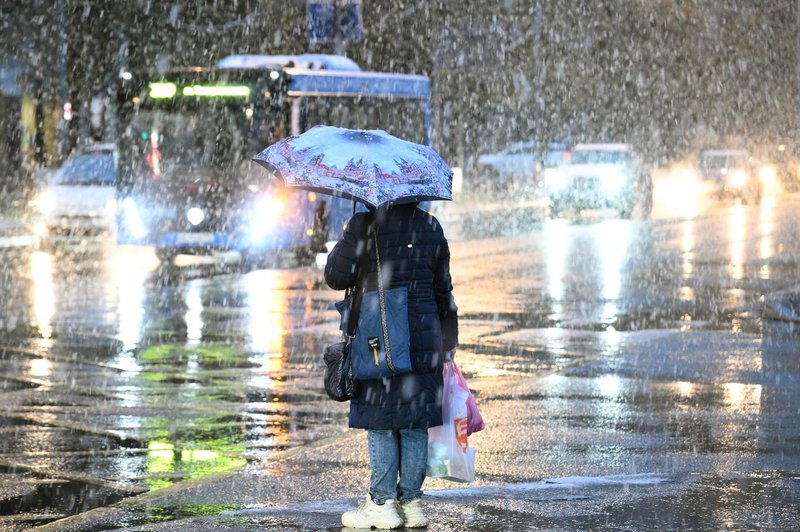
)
(570, 483)
(555, 484)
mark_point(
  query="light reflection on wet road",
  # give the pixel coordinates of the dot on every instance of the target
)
(121, 377)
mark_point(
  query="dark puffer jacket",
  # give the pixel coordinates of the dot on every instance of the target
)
(414, 253)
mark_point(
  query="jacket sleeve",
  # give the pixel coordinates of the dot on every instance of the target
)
(341, 270)
(445, 303)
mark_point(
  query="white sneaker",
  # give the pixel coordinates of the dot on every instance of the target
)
(369, 515)
(412, 514)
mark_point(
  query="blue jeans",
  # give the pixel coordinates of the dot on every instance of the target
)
(401, 452)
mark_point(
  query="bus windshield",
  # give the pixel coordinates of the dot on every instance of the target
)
(200, 142)
(216, 140)
(182, 138)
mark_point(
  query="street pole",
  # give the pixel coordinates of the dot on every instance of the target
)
(62, 80)
(339, 44)
(538, 75)
(796, 124)
(338, 39)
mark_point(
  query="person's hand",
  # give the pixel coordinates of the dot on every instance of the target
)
(450, 355)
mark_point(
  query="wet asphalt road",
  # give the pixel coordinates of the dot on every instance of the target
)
(612, 347)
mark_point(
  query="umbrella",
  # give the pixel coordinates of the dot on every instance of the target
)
(370, 166)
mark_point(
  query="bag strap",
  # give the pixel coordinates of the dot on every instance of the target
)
(357, 291)
(382, 301)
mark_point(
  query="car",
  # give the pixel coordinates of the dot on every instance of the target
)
(786, 162)
(80, 198)
(520, 164)
(598, 176)
(733, 174)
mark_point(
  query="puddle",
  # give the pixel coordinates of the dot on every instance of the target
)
(59, 497)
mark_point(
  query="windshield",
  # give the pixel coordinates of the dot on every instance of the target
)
(718, 162)
(553, 158)
(196, 141)
(600, 157)
(87, 169)
(216, 140)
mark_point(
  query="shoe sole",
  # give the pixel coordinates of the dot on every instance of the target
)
(381, 526)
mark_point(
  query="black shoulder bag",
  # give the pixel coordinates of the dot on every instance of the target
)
(339, 382)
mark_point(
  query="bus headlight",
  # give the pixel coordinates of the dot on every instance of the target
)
(135, 223)
(195, 216)
(267, 215)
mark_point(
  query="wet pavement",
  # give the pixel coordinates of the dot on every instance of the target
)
(583, 448)
(627, 361)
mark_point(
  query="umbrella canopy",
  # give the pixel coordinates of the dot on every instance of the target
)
(370, 166)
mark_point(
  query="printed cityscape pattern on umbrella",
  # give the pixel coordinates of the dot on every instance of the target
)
(371, 166)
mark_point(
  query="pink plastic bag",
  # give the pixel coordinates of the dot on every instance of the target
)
(474, 418)
(449, 455)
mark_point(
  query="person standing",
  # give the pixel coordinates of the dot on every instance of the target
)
(397, 412)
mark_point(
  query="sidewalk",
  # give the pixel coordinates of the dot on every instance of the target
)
(309, 488)
(587, 447)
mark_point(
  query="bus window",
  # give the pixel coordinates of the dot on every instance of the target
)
(403, 118)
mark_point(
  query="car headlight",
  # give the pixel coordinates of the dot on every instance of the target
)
(767, 173)
(46, 202)
(111, 207)
(554, 180)
(40, 229)
(688, 177)
(267, 215)
(614, 180)
(737, 178)
(135, 223)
